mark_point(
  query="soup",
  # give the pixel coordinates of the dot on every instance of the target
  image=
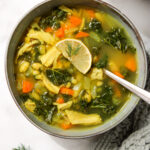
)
(59, 67)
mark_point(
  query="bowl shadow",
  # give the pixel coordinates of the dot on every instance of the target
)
(74, 144)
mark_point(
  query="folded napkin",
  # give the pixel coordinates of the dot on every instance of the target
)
(134, 132)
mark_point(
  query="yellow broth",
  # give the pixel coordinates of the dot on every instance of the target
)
(53, 89)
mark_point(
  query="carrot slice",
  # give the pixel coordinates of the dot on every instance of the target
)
(117, 92)
(118, 74)
(131, 64)
(48, 29)
(67, 91)
(66, 126)
(91, 13)
(60, 32)
(60, 100)
(27, 86)
(81, 34)
(75, 21)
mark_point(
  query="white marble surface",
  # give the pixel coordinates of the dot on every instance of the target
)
(14, 128)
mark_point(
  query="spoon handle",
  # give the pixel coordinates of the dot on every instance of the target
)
(143, 94)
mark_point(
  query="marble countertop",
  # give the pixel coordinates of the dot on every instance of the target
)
(14, 128)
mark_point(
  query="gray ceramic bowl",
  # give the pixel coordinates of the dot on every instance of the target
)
(19, 32)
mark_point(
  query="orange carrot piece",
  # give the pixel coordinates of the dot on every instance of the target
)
(75, 21)
(48, 29)
(81, 34)
(117, 92)
(60, 100)
(60, 32)
(66, 126)
(91, 13)
(113, 82)
(27, 86)
(118, 74)
(131, 64)
(67, 91)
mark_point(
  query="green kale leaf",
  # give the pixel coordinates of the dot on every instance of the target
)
(102, 63)
(104, 101)
(118, 39)
(58, 76)
(53, 20)
(66, 97)
(95, 25)
(44, 108)
(124, 71)
(46, 112)
(24, 97)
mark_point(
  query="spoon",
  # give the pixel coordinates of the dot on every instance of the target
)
(143, 94)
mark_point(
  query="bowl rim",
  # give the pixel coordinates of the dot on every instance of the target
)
(139, 39)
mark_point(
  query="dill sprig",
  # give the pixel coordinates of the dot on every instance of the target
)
(72, 51)
(21, 147)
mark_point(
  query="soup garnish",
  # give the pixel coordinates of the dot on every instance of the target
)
(59, 67)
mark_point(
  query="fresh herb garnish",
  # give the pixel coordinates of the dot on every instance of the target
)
(75, 52)
(72, 51)
(22, 147)
(69, 50)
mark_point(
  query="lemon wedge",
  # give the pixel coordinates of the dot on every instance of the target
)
(77, 53)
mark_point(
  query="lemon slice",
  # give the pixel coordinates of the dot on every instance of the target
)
(77, 53)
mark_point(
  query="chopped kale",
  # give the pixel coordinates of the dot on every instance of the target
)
(81, 106)
(36, 29)
(81, 95)
(60, 14)
(104, 101)
(124, 71)
(118, 39)
(102, 63)
(106, 93)
(132, 49)
(95, 25)
(66, 97)
(53, 20)
(47, 99)
(93, 45)
(24, 97)
(36, 55)
(44, 108)
(50, 115)
(58, 76)
(27, 56)
(95, 50)
(45, 111)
